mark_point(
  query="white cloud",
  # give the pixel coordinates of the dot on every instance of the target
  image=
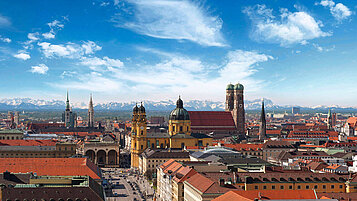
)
(322, 49)
(106, 61)
(48, 35)
(90, 47)
(180, 20)
(4, 39)
(4, 21)
(55, 25)
(174, 74)
(22, 55)
(33, 36)
(338, 11)
(68, 74)
(103, 4)
(69, 50)
(290, 28)
(40, 69)
(92, 81)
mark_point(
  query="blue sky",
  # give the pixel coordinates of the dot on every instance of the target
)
(293, 52)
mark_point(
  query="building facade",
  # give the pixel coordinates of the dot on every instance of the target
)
(178, 136)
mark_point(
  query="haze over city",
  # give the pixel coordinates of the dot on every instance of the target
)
(292, 52)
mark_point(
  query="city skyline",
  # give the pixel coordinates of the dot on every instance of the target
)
(294, 53)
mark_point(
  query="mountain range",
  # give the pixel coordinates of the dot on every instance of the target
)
(166, 105)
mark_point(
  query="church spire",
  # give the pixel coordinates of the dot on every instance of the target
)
(90, 113)
(67, 102)
(262, 124)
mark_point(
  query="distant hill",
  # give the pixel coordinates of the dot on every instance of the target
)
(31, 104)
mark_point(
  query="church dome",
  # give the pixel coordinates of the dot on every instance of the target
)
(230, 87)
(179, 113)
(238, 87)
(142, 108)
(136, 109)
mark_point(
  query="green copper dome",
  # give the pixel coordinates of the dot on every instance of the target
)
(230, 87)
(179, 113)
(238, 87)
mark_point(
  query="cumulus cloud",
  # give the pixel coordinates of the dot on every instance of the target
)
(287, 29)
(40, 69)
(69, 50)
(55, 25)
(338, 11)
(48, 35)
(167, 19)
(181, 74)
(22, 55)
(5, 39)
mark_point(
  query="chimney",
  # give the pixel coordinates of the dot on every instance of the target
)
(221, 182)
(6, 175)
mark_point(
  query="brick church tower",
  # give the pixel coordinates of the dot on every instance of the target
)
(235, 105)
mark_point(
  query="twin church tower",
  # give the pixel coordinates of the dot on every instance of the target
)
(235, 105)
(69, 117)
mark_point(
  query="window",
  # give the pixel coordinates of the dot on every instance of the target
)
(264, 187)
(142, 132)
(315, 187)
(324, 186)
(256, 187)
(200, 143)
(290, 187)
(181, 128)
(157, 144)
(307, 186)
(341, 186)
(299, 187)
(272, 187)
(187, 128)
(281, 187)
(142, 146)
(173, 128)
(182, 145)
(332, 186)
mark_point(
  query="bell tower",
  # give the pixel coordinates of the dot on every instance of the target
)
(138, 134)
(238, 110)
(229, 98)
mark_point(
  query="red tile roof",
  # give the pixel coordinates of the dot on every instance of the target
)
(28, 142)
(211, 119)
(266, 195)
(352, 121)
(200, 182)
(245, 147)
(51, 166)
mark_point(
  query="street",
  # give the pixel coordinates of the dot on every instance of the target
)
(122, 184)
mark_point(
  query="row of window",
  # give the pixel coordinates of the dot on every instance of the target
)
(10, 138)
(298, 187)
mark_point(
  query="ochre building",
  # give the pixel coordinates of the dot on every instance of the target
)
(179, 133)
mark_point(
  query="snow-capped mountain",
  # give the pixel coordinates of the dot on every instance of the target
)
(165, 105)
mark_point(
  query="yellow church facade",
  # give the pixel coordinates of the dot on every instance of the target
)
(178, 136)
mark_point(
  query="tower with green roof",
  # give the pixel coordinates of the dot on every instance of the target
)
(235, 105)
